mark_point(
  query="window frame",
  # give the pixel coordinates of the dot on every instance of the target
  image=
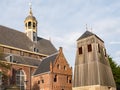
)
(34, 25)
(20, 74)
(89, 47)
(29, 24)
(55, 78)
(80, 50)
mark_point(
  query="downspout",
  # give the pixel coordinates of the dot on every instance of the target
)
(30, 77)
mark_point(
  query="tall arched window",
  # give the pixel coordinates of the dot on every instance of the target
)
(29, 25)
(20, 79)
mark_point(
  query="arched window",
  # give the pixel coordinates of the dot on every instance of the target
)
(55, 78)
(58, 66)
(65, 68)
(33, 25)
(29, 25)
(20, 79)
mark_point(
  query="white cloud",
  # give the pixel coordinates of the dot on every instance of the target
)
(67, 41)
(64, 20)
(115, 42)
(116, 57)
(118, 53)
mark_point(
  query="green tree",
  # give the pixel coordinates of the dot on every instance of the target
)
(115, 70)
(4, 68)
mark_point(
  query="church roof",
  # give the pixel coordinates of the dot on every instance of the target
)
(26, 60)
(88, 34)
(21, 59)
(17, 39)
(14, 38)
(45, 46)
(45, 64)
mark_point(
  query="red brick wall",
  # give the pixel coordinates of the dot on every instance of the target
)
(28, 72)
(59, 69)
(42, 81)
(63, 71)
(20, 52)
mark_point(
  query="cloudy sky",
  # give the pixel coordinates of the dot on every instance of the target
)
(64, 21)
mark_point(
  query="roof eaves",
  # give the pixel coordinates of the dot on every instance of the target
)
(41, 73)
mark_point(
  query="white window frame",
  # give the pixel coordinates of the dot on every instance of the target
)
(21, 75)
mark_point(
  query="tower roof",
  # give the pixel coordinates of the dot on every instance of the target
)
(30, 16)
(85, 35)
(88, 34)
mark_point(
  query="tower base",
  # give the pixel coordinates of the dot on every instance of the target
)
(94, 87)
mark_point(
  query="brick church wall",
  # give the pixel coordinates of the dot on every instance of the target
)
(28, 73)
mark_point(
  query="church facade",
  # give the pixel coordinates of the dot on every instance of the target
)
(35, 64)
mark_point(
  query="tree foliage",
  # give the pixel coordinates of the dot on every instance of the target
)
(4, 70)
(4, 66)
(115, 70)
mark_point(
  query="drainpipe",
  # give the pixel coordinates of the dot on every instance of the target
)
(30, 77)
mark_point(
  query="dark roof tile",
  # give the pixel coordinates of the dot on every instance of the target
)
(23, 60)
(45, 46)
(14, 38)
(88, 34)
(45, 64)
(17, 39)
(26, 60)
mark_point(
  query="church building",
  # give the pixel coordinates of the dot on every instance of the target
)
(35, 64)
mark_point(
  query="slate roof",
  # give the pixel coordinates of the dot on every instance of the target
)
(17, 39)
(88, 34)
(45, 64)
(45, 46)
(26, 61)
(22, 60)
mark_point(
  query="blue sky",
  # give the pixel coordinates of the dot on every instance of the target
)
(64, 21)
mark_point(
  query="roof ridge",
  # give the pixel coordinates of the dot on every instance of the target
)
(51, 55)
(86, 34)
(23, 56)
(11, 29)
(18, 39)
(44, 66)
